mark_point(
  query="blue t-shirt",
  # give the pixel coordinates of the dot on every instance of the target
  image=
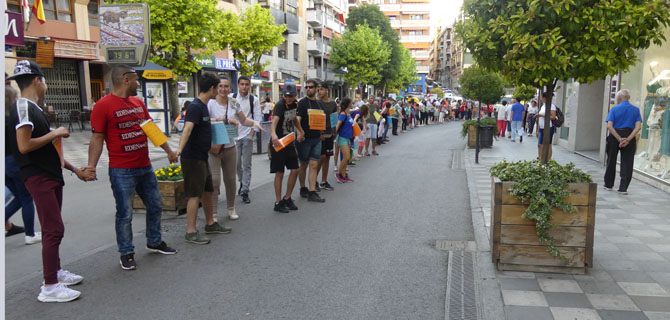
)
(346, 131)
(624, 115)
(518, 110)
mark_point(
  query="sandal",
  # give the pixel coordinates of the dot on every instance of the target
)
(375, 153)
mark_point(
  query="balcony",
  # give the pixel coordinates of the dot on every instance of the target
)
(412, 38)
(334, 24)
(292, 23)
(314, 46)
(422, 69)
(314, 72)
(420, 54)
(332, 75)
(314, 17)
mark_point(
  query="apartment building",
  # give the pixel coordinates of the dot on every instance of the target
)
(411, 19)
(460, 59)
(440, 57)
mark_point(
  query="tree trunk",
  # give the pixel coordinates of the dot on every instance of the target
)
(546, 141)
(173, 101)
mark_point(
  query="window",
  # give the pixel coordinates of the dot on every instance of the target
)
(54, 9)
(392, 18)
(296, 52)
(281, 50)
(93, 17)
(14, 5)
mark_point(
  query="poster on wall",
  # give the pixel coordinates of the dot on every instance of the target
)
(155, 96)
(161, 120)
(183, 87)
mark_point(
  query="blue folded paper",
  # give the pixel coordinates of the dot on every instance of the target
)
(219, 133)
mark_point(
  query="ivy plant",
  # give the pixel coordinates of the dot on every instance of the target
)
(487, 121)
(543, 186)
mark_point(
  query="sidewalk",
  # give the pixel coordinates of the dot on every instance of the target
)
(631, 274)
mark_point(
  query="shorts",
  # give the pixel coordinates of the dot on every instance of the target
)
(284, 158)
(341, 141)
(197, 177)
(327, 146)
(372, 131)
(551, 136)
(310, 149)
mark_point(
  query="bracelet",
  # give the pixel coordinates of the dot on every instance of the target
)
(74, 169)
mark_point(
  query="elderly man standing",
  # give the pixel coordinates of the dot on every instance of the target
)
(623, 123)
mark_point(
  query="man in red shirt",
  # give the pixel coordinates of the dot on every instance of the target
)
(116, 120)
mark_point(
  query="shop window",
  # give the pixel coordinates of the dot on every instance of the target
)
(296, 52)
(14, 6)
(93, 17)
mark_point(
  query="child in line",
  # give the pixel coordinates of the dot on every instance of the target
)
(345, 133)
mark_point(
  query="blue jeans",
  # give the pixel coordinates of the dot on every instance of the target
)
(516, 129)
(125, 182)
(386, 127)
(22, 198)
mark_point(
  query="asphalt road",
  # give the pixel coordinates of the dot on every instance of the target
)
(367, 253)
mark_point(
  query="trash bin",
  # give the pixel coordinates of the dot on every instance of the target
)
(486, 136)
(263, 138)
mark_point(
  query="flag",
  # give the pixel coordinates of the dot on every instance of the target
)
(38, 11)
(26, 10)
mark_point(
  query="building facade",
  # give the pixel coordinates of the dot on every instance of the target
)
(440, 57)
(459, 60)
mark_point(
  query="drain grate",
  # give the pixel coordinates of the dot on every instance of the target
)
(450, 245)
(457, 159)
(462, 292)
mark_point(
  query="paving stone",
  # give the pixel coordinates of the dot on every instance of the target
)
(612, 302)
(621, 315)
(645, 256)
(600, 287)
(596, 274)
(612, 263)
(654, 266)
(544, 275)
(643, 289)
(630, 276)
(660, 277)
(558, 285)
(627, 221)
(574, 313)
(634, 247)
(662, 227)
(645, 233)
(527, 313)
(567, 300)
(605, 206)
(623, 239)
(609, 227)
(515, 274)
(524, 298)
(519, 284)
(659, 304)
(654, 240)
(657, 315)
(605, 246)
(645, 216)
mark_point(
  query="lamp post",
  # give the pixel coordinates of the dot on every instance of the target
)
(479, 118)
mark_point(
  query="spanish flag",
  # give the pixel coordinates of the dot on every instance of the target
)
(38, 11)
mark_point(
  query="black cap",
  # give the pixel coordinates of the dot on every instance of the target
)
(289, 90)
(26, 67)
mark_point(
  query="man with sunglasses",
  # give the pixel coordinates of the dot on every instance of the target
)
(115, 121)
(309, 142)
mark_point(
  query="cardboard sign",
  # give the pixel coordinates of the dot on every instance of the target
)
(219, 134)
(285, 141)
(153, 133)
(317, 119)
(377, 115)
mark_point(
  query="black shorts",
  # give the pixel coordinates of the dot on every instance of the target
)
(285, 158)
(327, 146)
(197, 177)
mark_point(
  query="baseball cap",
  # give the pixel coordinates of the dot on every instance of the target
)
(26, 67)
(289, 90)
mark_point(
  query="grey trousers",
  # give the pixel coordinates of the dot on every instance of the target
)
(245, 148)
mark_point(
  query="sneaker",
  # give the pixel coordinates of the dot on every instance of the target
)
(352, 163)
(622, 192)
(161, 248)
(281, 207)
(340, 179)
(196, 237)
(68, 278)
(318, 188)
(314, 197)
(14, 229)
(336, 168)
(232, 214)
(37, 238)
(57, 293)
(520, 139)
(128, 262)
(290, 204)
(375, 153)
(513, 140)
(304, 192)
(239, 191)
(245, 198)
(347, 179)
(217, 228)
(607, 188)
(327, 186)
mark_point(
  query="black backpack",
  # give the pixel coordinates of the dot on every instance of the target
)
(251, 105)
(560, 118)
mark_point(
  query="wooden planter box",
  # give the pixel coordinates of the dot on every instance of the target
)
(485, 139)
(516, 246)
(172, 196)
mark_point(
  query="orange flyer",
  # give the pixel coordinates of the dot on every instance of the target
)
(285, 141)
(357, 130)
(153, 133)
(58, 144)
(317, 119)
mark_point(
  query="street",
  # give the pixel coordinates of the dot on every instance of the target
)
(367, 253)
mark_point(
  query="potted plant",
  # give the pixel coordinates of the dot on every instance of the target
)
(542, 217)
(171, 188)
(488, 126)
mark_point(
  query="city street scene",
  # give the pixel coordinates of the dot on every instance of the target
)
(332, 159)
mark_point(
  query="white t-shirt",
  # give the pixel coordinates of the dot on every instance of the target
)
(217, 111)
(532, 110)
(508, 110)
(541, 120)
(266, 107)
(502, 111)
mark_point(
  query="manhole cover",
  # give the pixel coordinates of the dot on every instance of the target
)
(457, 245)
(462, 292)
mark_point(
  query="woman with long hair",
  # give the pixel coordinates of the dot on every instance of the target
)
(361, 120)
(345, 132)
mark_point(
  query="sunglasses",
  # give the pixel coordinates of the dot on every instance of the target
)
(310, 87)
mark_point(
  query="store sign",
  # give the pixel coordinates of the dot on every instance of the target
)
(125, 33)
(227, 64)
(13, 29)
(207, 62)
(157, 74)
(75, 49)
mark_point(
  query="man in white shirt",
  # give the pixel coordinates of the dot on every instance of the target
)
(244, 142)
(540, 119)
(508, 112)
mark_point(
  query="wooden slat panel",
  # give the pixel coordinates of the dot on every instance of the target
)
(590, 225)
(496, 207)
(580, 194)
(528, 268)
(511, 214)
(170, 188)
(508, 198)
(538, 255)
(564, 236)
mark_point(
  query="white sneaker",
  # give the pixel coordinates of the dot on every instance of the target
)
(68, 278)
(37, 238)
(232, 214)
(57, 293)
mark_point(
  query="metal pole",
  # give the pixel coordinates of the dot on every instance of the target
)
(479, 117)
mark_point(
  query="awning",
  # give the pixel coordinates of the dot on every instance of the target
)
(153, 71)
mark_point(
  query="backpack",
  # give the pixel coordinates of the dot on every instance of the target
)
(251, 105)
(560, 118)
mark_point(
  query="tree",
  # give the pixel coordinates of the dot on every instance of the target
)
(541, 42)
(372, 16)
(406, 71)
(525, 92)
(484, 86)
(181, 31)
(438, 92)
(362, 52)
(250, 35)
